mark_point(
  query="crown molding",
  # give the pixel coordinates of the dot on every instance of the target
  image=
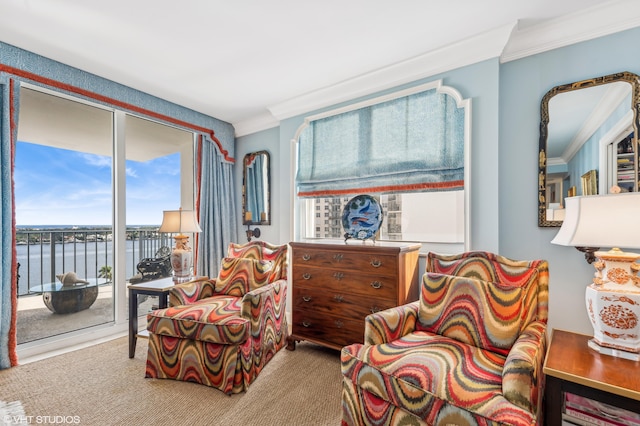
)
(466, 52)
(256, 123)
(509, 43)
(597, 21)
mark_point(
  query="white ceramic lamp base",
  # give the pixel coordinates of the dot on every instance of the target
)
(181, 260)
(613, 305)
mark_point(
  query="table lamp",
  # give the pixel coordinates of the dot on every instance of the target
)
(613, 298)
(180, 221)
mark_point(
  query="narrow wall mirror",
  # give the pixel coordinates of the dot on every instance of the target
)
(588, 141)
(256, 192)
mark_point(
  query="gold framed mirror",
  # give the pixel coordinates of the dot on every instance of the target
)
(588, 141)
(256, 189)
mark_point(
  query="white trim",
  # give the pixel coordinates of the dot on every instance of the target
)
(624, 125)
(508, 43)
(466, 52)
(56, 345)
(255, 124)
(586, 24)
(298, 223)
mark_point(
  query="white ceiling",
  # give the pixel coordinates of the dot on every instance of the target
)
(254, 62)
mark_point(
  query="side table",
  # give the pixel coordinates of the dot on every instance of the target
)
(158, 288)
(572, 367)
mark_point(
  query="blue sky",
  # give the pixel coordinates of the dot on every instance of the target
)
(61, 187)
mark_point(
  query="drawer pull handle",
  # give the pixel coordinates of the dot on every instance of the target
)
(306, 324)
(376, 284)
(306, 276)
(339, 323)
(338, 298)
(338, 257)
(306, 298)
(375, 309)
(338, 275)
(376, 263)
(306, 256)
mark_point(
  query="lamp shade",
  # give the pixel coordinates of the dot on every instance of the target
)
(179, 221)
(609, 220)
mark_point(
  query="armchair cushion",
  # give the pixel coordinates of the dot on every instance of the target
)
(479, 313)
(214, 320)
(239, 276)
(495, 268)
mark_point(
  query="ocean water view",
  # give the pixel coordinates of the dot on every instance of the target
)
(46, 251)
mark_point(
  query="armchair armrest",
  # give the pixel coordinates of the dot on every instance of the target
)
(522, 377)
(271, 296)
(192, 291)
(390, 324)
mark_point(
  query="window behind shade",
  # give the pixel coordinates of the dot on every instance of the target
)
(432, 210)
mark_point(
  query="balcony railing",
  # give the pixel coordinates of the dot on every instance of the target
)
(43, 254)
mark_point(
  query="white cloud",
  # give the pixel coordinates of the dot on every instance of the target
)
(96, 160)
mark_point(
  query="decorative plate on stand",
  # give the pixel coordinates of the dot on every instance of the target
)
(361, 218)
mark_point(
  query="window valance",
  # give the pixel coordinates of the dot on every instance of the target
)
(409, 144)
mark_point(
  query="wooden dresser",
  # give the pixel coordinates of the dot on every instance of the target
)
(335, 285)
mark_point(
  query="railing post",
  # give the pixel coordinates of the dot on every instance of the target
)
(52, 263)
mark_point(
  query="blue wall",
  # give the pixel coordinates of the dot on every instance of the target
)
(523, 83)
(505, 118)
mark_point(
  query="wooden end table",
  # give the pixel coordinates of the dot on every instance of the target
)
(571, 366)
(158, 288)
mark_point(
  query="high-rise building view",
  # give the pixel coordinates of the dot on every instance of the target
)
(328, 217)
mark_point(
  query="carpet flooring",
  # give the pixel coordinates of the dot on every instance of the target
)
(100, 385)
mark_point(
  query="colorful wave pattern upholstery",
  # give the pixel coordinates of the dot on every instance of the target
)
(222, 340)
(469, 352)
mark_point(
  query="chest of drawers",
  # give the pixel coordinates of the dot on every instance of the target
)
(336, 285)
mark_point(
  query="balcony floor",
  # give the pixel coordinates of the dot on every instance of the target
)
(36, 321)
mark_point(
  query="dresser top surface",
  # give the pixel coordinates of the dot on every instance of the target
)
(342, 244)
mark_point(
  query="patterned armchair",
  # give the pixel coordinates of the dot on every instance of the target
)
(469, 352)
(222, 332)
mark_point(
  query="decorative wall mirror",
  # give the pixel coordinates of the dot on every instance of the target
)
(256, 193)
(588, 141)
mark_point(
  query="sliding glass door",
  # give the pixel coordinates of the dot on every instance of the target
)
(63, 192)
(91, 183)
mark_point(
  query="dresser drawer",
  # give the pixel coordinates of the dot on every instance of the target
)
(368, 263)
(339, 303)
(337, 331)
(346, 282)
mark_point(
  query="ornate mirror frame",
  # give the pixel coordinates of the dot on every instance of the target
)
(262, 217)
(631, 78)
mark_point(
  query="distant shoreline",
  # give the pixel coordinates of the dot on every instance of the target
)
(77, 227)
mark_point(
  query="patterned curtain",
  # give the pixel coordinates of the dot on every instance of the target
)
(410, 144)
(216, 207)
(9, 101)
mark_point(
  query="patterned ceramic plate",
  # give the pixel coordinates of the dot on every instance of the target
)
(361, 217)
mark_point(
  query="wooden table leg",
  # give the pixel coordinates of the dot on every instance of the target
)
(133, 322)
(553, 401)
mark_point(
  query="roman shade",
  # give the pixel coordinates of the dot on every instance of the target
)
(412, 143)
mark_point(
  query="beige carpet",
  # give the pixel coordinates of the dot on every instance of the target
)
(100, 385)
